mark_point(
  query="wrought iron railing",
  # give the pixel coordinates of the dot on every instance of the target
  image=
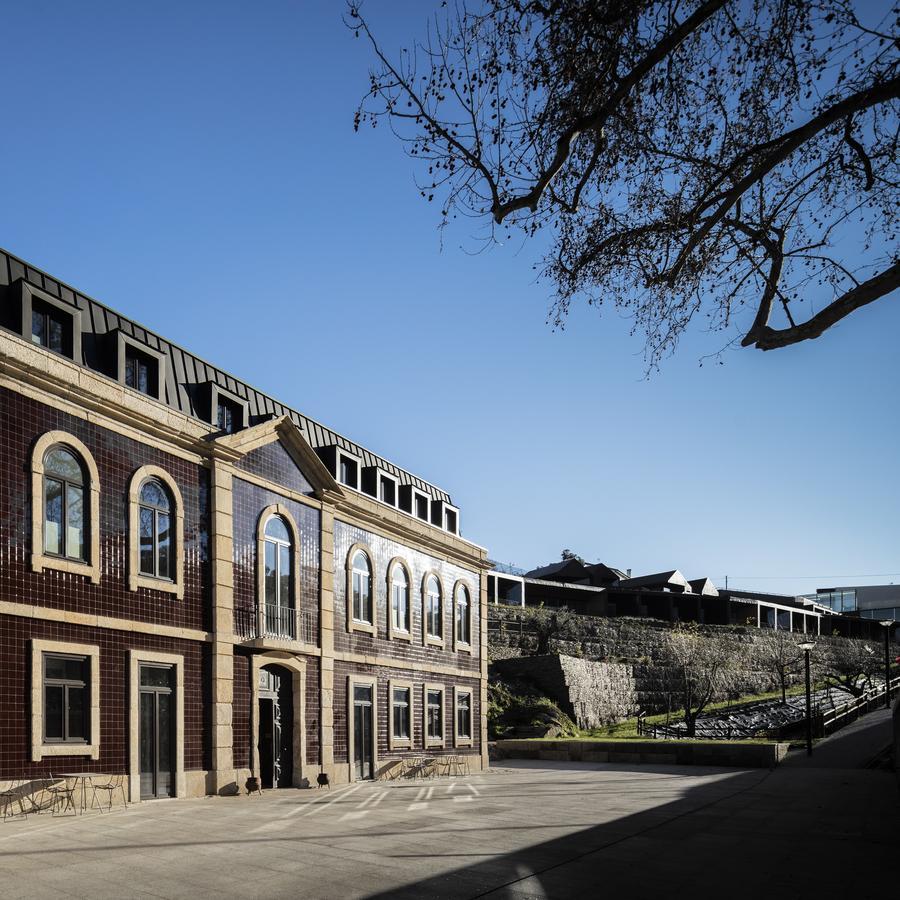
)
(280, 621)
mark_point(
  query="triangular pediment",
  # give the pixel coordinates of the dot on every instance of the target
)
(277, 451)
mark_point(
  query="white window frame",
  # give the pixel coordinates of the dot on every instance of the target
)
(458, 739)
(458, 645)
(393, 631)
(354, 624)
(427, 741)
(429, 639)
(394, 742)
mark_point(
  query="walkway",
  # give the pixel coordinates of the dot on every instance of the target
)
(852, 747)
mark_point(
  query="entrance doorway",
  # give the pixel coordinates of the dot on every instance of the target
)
(276, 727)
(362, 732)
(157, 731)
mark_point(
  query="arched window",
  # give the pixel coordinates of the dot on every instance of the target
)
(155, 530)
(434, 625)
(361, 587)
(278, 578)
(400, 612)
(65, 518)
(463, 615)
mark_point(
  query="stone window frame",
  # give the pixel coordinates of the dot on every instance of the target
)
(458, 645)
(428, 639)
(153, 658)
(217, 392)
(416, 493)
(39, 559)
(401, 743)
(276, 509)
(353, 624)
(396, 633)
(383, 475)
(123, 342)
(40, 749)
(356, 460)
(453, 511)
(429, 742)
(136, 579)
(353, 681)
(28, 292)
(465, 740)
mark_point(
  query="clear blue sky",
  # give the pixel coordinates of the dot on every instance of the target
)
(186, 162)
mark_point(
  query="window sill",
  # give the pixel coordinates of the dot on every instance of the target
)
(366, 627)
(463, 742)
(463, 648)
(62, 749)
(156, 584)
(400, 635)
(431, 641)
(41, 561)
(434, 744)
(400, 744)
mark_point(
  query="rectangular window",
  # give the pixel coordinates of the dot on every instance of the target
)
(349, 472)
(51, 328)
(141, 372)
(450, 520)
(387, 491)
(421, 507)
(434, 715)
(66, 699)
(400, 709)
(228, 415)
(361, 609)
(463, 715)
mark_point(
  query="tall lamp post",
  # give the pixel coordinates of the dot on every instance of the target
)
(887, 661)
(806, 646)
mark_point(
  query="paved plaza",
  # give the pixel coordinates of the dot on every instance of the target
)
(520, 830)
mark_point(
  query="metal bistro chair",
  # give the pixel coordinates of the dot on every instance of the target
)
(12, 796)
(62, 795)
(113, 784)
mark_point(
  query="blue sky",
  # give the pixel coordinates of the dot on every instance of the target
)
(187, 162)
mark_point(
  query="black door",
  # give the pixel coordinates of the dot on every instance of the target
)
(157, 731)
(276, 731)
(362, 732)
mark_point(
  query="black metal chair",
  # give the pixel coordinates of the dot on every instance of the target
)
(10, 797)
(115, 783)
(62, 795)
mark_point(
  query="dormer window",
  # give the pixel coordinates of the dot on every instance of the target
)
(139, 366)
(141, 372)
(387, 490)
(421, 503)
(451, 521)
(228, 415)
(51, 328)
(348, 471)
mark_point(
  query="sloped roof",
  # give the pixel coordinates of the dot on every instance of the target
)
(185, 372)
(703, 586)
(569, 568)
(660, 580)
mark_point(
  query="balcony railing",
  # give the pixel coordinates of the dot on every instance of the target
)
(279, 622)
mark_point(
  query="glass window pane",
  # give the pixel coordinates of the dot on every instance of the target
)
(156, 676)
(164, 543)
(271, 574)
(143, 384)
(154, 494)
(75, 523)
(38, 328)
(55, 336)
(284, 566)
(53, 712)
(53, 515)
(77, 713)
(63, 464)
(276, 528)
(146, 540)
(362, 694)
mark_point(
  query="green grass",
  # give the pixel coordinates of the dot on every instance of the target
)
(626, 730)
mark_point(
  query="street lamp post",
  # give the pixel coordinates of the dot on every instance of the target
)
(806, 646)
(887, 661)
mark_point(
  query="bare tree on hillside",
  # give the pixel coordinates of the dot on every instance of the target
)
(850, 664)
(697, 669)
(779, 651)
(727, 161)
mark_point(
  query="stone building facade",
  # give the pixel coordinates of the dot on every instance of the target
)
(198, 583)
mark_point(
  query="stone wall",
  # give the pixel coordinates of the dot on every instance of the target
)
(590, 693)
(637, 645)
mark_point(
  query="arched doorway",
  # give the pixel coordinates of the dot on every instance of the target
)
(276, 727)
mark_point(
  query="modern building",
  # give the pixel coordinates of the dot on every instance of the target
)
(600, 590)
(868, 601)
(200, 583)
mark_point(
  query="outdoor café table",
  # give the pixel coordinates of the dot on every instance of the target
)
(81, 779)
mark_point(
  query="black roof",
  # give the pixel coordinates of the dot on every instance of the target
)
(186, 372)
